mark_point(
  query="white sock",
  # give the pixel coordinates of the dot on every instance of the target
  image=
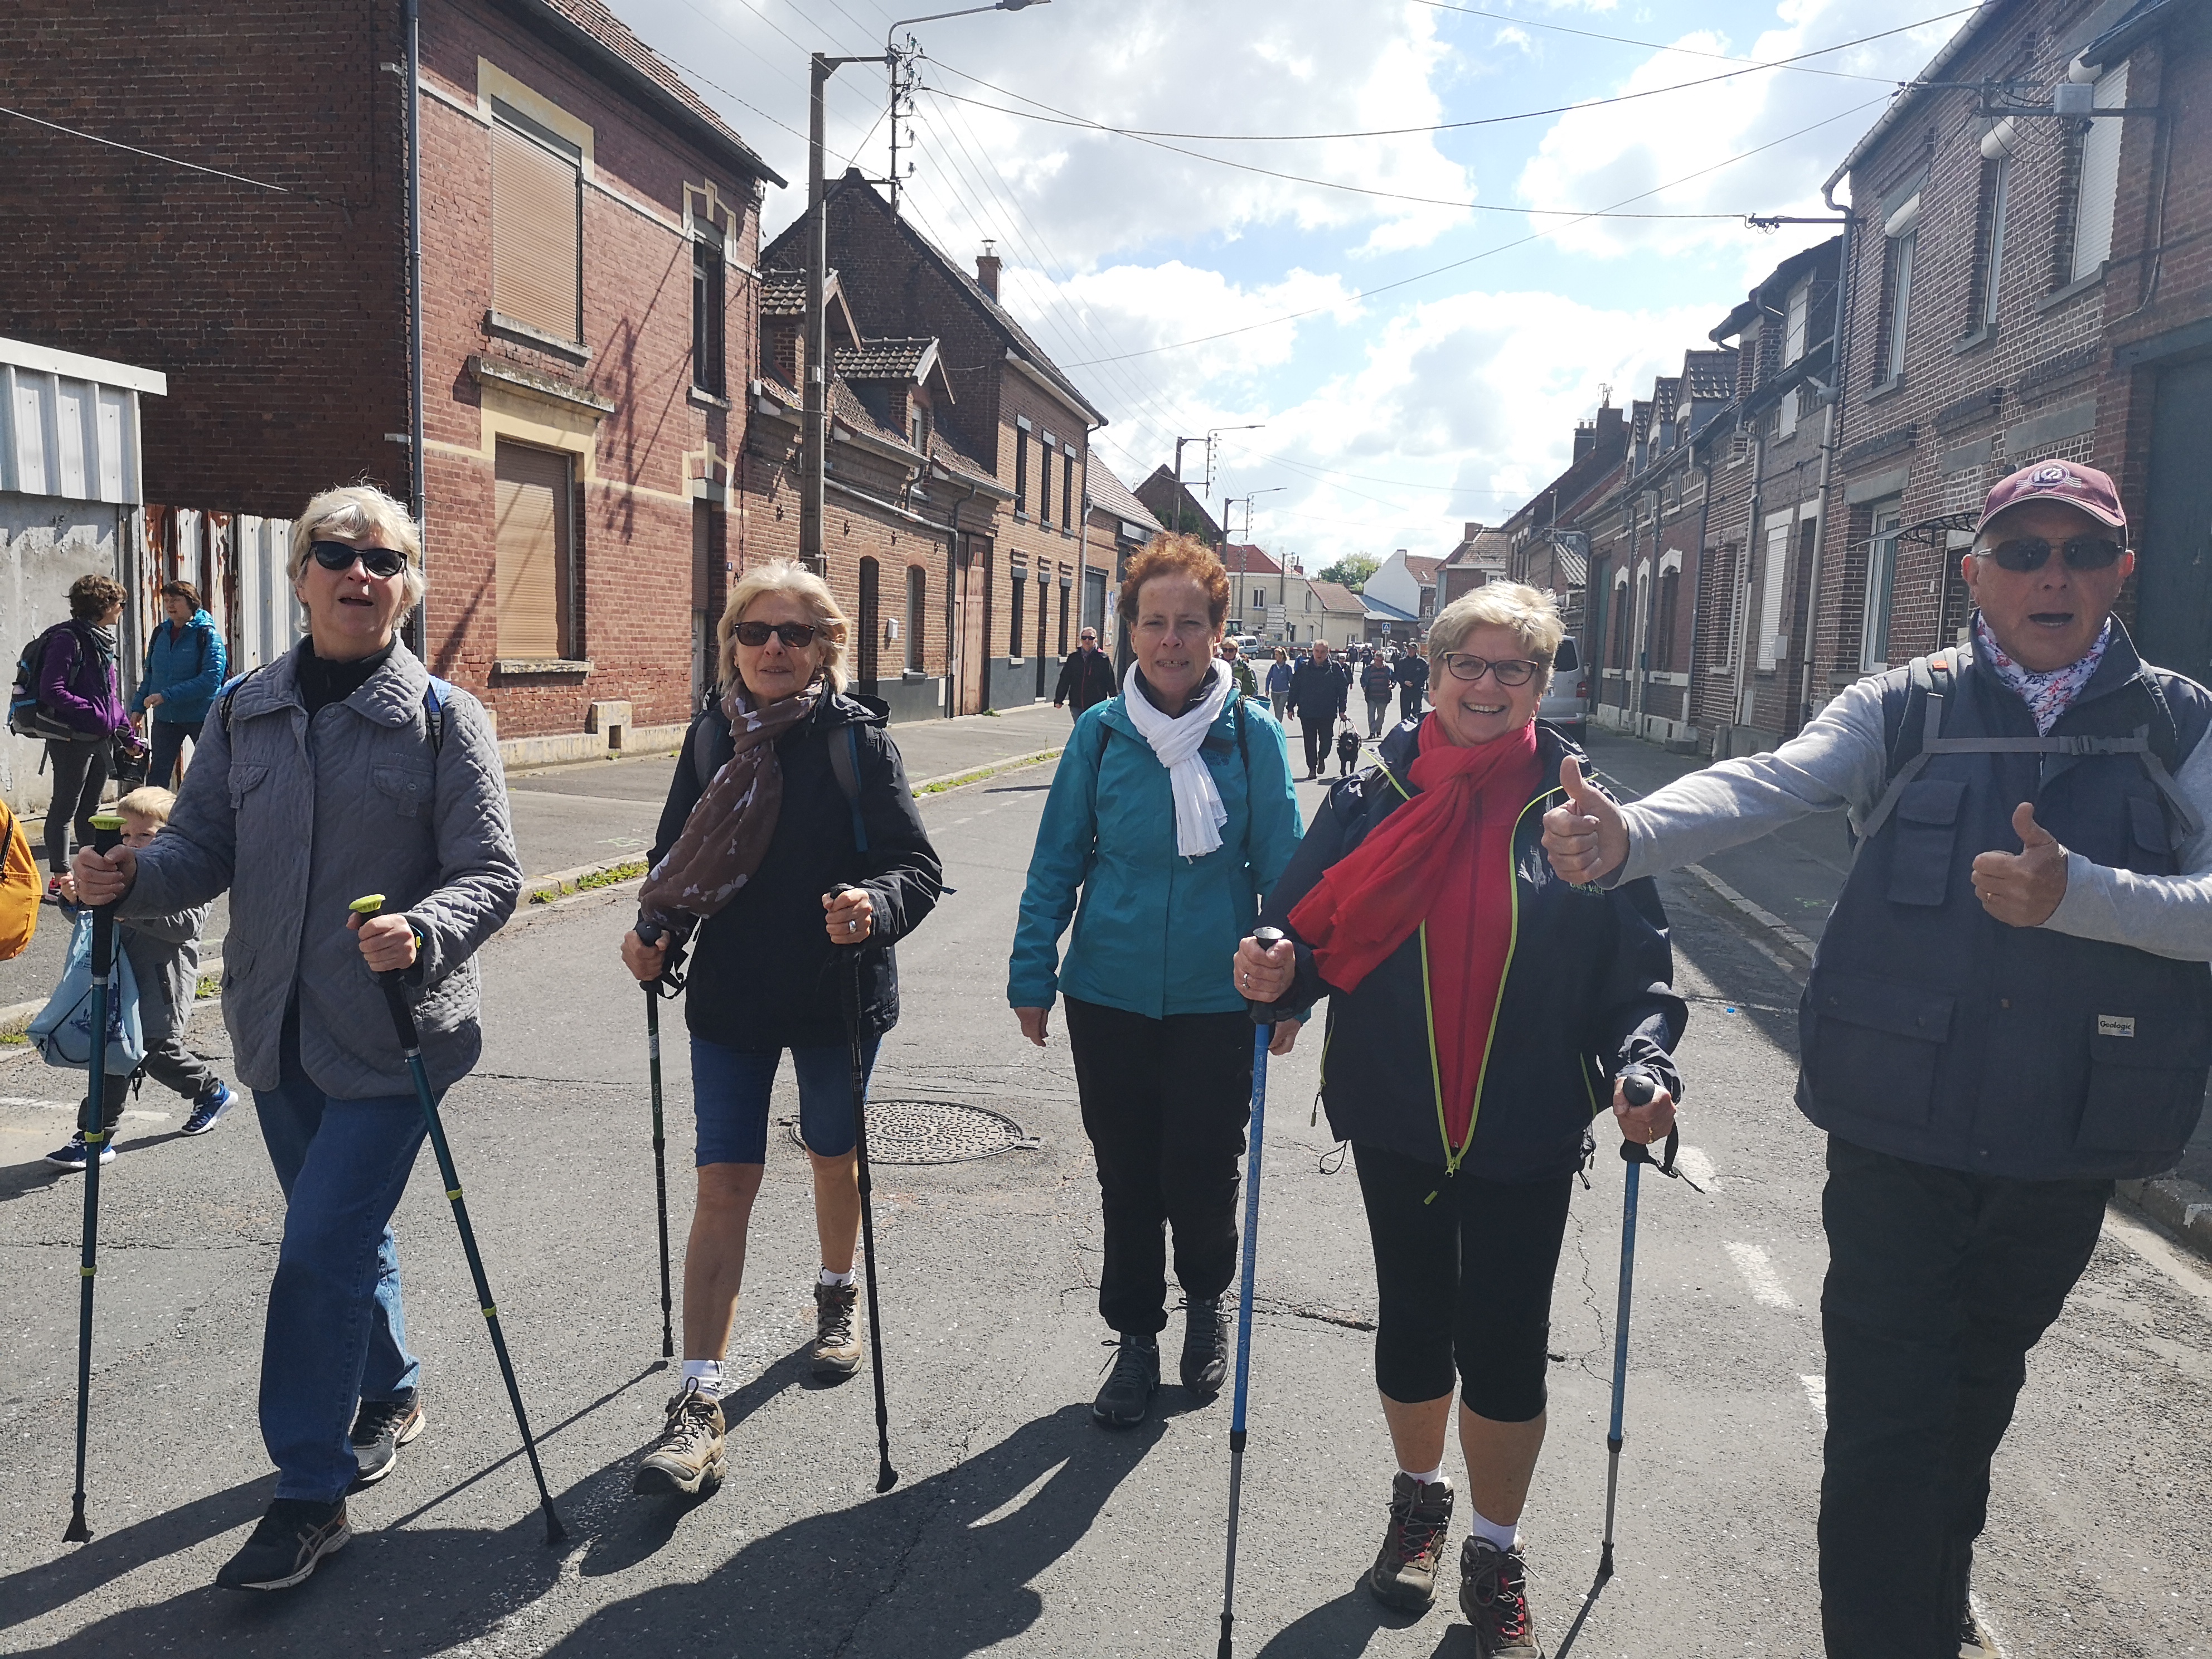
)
(705, 1376)
(1504, 1537)
(1428, 1480)
(829, 1278)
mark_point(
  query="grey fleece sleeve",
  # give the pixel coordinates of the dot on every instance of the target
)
(2166, 916)
(1838, 760)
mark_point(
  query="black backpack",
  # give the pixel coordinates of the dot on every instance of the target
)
(27, 716)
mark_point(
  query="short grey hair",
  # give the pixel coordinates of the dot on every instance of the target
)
(353, 511)
(1529, 614)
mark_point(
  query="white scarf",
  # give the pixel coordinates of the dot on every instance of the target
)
(1199, 813)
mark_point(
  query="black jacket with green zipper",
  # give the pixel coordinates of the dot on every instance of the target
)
(1588, 992)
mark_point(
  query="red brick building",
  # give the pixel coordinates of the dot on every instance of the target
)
(1543, 549)
(1116, 524)
(589, 230)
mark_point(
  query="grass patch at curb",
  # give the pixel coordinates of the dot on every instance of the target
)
(939, 785)
(612, 876)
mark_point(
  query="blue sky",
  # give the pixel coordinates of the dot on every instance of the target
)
(1388, 420)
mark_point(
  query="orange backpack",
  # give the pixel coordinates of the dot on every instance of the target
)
(21, 887)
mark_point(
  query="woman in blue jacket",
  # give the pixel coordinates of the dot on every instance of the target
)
(1170, 818)
(184, 666)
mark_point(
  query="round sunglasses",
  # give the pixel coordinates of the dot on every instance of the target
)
(2024, 553)
(1513, 670)
(797, 636)
(383, 561)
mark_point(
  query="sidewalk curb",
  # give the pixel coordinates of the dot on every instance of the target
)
(977, 773)
(2179, 1203)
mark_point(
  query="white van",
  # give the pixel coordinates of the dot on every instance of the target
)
(1566, 703)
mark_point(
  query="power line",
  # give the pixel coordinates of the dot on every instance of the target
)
(155, 155)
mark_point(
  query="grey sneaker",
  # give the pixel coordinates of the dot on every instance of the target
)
(292, 1537)
(1127, 1393)
(381, 1428)
(836, 1349)
(1404, 1573)
(687, 1459)
(1205, 1345)
(1493, 1594)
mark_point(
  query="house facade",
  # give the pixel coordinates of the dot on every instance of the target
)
(1115, 525)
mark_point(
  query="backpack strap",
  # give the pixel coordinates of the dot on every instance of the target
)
(435, 697)
(223, 697)
(845, 762)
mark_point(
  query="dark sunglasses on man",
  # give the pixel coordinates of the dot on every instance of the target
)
(381, 562)
(796, 636)
(2026, 553)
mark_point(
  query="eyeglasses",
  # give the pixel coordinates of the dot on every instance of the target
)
(382, 561)
(2032, 552)
(796, 636)
(1516, 671)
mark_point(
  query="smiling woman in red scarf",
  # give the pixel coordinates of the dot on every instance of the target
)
(1481, 1011)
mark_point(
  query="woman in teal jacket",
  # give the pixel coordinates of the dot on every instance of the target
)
(185, 667)
(1171, 817)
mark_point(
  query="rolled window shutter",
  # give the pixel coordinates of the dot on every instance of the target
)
(532, 532)
(533, 235)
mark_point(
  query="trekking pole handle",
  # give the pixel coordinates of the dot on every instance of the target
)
(402, 1017)
(1263, 1013)
(1638, 1089)
(106, 833)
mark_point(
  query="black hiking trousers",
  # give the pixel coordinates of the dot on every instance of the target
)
(1939, 1283)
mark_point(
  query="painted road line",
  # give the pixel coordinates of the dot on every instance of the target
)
(1697, 1167)
(71, 1106)
(1816, 1393)
(1766, 1286)
(1766, 919)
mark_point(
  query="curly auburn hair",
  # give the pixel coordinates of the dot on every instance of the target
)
(1175, 556)
(91, 597)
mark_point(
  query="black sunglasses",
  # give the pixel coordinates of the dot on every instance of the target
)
(2031, 553)
(383, 561)
(796, 636)
(1515, 670)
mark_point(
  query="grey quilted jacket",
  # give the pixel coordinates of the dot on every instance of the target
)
(298, 820)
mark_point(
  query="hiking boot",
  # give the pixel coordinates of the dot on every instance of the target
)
(687, 1459)
(381, 1428)
(1493, 1594)
(1127, 1393)
(1205, 1345)
(292, 1537)
(836, 1349)
(1404, 1573)
(206, 1114)
(71, 1155)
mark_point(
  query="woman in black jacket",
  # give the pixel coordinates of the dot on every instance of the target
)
(1479, 1011)
(790, 839)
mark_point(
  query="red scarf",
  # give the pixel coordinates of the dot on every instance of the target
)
(1445, 857)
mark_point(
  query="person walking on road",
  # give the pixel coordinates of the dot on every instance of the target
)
(758, 863)
(1475, 1000)
(185, 667)
(1377, 682)
(1317, 695)
(2009, 1009)
(1248, 684)
(1171, 817)
(1278, 687)
(79, 692)
(341, 767)
(1085, 676)
(1412, 678)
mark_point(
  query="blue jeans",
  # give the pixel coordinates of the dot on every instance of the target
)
(730, 1090)
(336, 1334)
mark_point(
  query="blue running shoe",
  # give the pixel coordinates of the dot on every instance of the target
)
(209, 1112)
(71, 1156)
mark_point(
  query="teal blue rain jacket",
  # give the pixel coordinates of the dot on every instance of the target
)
(1154, 931)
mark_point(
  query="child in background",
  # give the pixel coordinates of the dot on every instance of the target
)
(165, 960)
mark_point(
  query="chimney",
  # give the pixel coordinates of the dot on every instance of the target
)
(1585, 437)
(987, 270)
(1473, 529)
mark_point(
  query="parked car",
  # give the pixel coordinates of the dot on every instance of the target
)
(1567, 704)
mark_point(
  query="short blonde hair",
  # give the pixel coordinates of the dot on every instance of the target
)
(357, 510)
(1529, 614)
(786, 577)
(148, 800)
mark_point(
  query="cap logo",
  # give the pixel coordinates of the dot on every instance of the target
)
(2051, 472)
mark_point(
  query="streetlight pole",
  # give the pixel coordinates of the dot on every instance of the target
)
(1228, 502)
(898, 59)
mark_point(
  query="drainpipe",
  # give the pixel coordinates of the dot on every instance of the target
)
(1704, 521)
(414, 22)
(1831, 434)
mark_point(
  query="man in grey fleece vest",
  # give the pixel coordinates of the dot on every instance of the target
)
(2009, 1007)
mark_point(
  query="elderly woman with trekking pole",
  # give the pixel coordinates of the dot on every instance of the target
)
(1479, 1009)
(341, 766)
(789, 843)
(1171, 817)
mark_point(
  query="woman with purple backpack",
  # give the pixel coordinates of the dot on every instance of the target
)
(79, 693)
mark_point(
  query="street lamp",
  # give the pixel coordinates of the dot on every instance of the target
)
(895, 57)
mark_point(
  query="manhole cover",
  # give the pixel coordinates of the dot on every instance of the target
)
(935, 1132)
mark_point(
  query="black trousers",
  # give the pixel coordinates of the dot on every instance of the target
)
(1164, 1103)
(80, 773)
(1939, 1283)
(167, 759)
(1319, 729)
(1409, 700)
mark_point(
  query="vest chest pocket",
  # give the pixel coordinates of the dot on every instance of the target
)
(2146, 1087)
(1922, 844)
(1875, 1046)
(405, 789)
(2152, 853)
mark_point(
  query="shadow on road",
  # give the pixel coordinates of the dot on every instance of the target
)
(1345, 1626)
(17, 1179)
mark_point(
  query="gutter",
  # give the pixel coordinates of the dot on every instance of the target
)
(1831, 438)
(416, 485)
(1905, 102)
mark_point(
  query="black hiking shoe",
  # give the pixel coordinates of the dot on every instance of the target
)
(291, 1538)
(687, 1459)
(1493, 1594)
(1127, 1396)
(381, 1428)
(835, 1354)
(1404, 1572)
(1205, 1345)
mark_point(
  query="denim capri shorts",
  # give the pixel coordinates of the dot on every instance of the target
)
(730, 1090)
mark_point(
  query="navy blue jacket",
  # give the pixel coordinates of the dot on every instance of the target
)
(1316, 693)
(1588, 994)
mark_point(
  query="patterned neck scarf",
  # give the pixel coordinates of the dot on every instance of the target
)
(2050, 694)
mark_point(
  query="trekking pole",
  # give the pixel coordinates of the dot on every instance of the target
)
(651, 934)
(106, 836)
(1262, 1035)
(403, 1023)
(1637, 1090)
(886, 1476)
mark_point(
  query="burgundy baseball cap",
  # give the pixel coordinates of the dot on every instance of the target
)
(2068, 482)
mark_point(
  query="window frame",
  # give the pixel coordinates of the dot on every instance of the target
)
(1902, 254)
(1878, 608)
(917, 613)
(709, 310)
(506, 119)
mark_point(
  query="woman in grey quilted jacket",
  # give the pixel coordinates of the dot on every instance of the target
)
(341, 768)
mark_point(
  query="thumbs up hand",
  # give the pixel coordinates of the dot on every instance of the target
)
(2022, 888)
(1586, 838)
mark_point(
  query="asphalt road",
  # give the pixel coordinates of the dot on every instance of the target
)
(1016, 1528)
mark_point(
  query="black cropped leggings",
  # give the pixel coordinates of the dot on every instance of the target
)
(1464, 1282)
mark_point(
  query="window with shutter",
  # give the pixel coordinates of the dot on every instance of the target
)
(2099, 178)
(533, 532)
(707, 314)
(917, 596)
(1880, 586)
(1771, 571)
(537, 207)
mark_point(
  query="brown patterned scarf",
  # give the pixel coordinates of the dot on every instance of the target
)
(728, 834)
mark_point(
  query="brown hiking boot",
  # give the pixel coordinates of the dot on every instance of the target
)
(1404, 1573)
(687, 1459)
(1493, 1594)
(836, 1349)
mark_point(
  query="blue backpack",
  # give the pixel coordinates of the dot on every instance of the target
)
(62, 1029)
